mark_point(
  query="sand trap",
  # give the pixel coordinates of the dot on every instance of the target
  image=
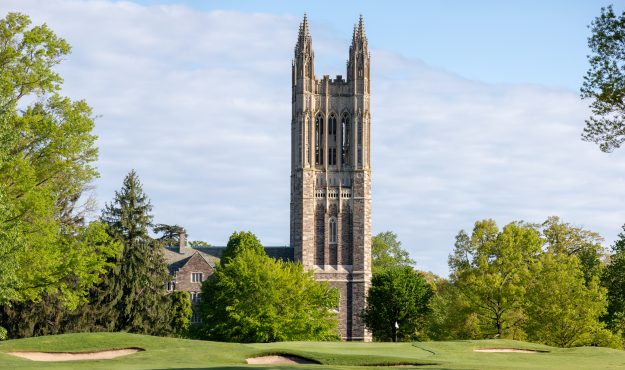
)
(507, 350)
(280, 360)
(76, 356)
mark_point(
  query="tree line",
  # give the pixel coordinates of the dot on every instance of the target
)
(549, 282)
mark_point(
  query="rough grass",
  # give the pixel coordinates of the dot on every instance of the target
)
(169, 353)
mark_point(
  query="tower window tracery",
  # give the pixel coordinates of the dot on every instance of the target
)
(319, 140)
(345, 138)
(333, 230)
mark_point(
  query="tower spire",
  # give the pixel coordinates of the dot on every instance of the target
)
(358, 63)
(361, 28)
(304, 41)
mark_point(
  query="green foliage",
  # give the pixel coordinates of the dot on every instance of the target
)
(170, 234)
(198, 244)
(604, 81)
(562, 309)
(613, 278)
(451, 315)
(181, 312)
(564, 238)
(386, 253)
(3, 334)
(239, 242)
(491, 270)
(527, 281)
(399, 295)
(255, 298)
(132, 297)
(46, 154)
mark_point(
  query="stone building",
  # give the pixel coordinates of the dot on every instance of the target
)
(331, 176)
(330, 223)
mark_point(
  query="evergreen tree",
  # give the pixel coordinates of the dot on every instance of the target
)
(181, 313)
(604, 82)
(133, 297)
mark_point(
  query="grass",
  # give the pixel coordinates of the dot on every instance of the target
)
(169, 353)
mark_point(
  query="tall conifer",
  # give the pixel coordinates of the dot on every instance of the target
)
(134, 291)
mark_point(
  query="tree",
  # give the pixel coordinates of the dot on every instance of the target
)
(198, 244)
(564, 238)
(170, 234)
(386, 252)
(604, 81)
(491, 269)
(396, 304)
(181, 312)
(239, 242)
(613, 279)
(255, 298)
(133, 297)
(562, 308)
(47, 149)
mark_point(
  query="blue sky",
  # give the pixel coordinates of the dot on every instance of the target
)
(475, 111)
(531, 41)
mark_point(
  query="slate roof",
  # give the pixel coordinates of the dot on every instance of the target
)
(176, 260)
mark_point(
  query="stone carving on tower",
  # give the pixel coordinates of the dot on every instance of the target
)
(331, 176)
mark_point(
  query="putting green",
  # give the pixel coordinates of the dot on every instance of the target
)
(171, 353)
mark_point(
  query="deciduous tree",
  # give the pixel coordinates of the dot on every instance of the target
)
(47, 151)
(397, 303)
(562, 308)
(255, 298)
(386, 252)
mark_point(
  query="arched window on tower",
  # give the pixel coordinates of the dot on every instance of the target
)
(360, 124)
(332, 140)
(333, 230)
(319, 140)
(345, 127)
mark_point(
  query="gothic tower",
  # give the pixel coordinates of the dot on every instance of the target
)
(331, 176)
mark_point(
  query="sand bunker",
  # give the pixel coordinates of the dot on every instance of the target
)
(279, 360)
(507, 350)
(76, 356)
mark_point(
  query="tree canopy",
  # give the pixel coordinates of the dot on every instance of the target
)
(397, 303)
(386, 252)
(47, 151)
(604, 82)
(239, 242)
(255, 298)
(527, 281)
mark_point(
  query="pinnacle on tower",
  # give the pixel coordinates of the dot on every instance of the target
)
(361, 27)
(304, 40)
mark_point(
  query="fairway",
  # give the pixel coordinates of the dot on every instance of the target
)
(170, 353)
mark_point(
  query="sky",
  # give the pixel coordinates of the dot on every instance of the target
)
(475, 111)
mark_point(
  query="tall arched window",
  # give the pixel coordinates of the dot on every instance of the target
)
(333, 230)
(332, 140)
(319, 140)
(345, 135)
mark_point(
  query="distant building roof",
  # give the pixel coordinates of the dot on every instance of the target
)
(175, 260)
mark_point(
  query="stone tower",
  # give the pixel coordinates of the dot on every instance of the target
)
(331, 176)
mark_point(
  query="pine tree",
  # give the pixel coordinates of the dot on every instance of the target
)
(133, 298)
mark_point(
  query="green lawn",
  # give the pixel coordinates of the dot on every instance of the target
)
(168, 353)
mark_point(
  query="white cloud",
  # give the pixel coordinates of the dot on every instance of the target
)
(199, 103)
